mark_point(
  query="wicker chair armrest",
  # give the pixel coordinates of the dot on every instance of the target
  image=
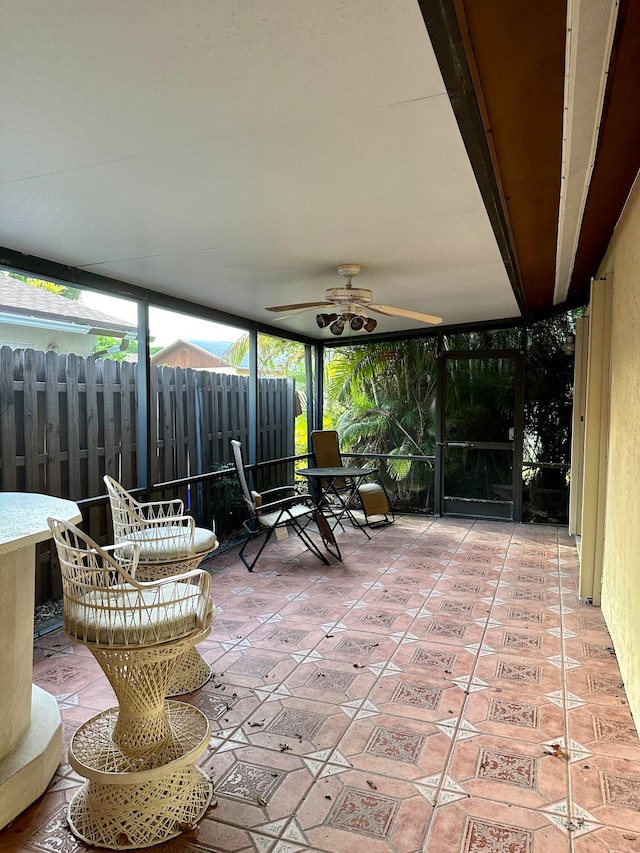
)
(127, 555)
(199, 576)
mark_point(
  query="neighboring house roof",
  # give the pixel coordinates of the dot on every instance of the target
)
(218, 348)
(221, 349)
(215, 351)
(22, 300)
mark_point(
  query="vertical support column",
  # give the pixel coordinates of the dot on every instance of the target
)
(319, 387)
(576, 488)
(309, 390)
(438, 475)
(518, 430)
(252, 449)
(596, 439)
(143, 413)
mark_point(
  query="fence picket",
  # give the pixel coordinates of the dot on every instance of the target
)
(127, 426)
(52, 421)
(8, 421)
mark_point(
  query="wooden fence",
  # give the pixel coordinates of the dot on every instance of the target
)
(67, 420)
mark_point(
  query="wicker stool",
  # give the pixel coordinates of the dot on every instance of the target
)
(170, 543)
(138, 758)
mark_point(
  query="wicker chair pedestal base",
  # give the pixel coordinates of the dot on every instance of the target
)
(135, 799)
(190, 674)
(126, 817)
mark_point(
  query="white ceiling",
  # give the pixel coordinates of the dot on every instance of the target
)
(233, 153)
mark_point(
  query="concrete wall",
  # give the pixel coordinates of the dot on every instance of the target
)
(621, 556)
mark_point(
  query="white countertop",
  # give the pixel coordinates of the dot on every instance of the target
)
(23, 518)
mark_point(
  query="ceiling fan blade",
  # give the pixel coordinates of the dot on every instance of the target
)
(299, 311)
(391, 311)
(297, 306)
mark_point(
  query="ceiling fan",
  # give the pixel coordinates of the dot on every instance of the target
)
(351, 303)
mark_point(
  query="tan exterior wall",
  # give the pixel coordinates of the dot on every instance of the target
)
(621, 555)
(26, 337)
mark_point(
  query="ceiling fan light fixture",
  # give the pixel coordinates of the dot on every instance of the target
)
(357, 322)
(323, 320)
(337, 327)
(370, 324)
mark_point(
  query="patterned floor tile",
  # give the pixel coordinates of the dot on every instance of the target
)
(395, 746)
(610, 789)
(512, 714)
(254, 786)
(519, 640)
(608, 840)
(377, 619)
(597, 687)
(296, 725)
(447, 629)
(509, 771)
(417, 697)
(522, 613)
(605, 731)
(484, 826)
(428, 660)
(331, 682)
(353, 811)
(519, 672)
(359, 648)
(249, 667)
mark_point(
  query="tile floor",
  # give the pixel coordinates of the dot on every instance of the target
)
(442, 689)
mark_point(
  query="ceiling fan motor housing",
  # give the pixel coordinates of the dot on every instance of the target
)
(359, 295)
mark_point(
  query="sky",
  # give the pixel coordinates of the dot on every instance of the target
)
(164, 326)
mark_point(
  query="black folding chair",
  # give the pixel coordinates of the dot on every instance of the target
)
(278, 508)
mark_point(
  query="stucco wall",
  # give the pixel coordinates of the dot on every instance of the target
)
(27, 337)
(621, 560)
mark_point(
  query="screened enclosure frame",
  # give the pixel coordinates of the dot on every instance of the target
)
(314, 358)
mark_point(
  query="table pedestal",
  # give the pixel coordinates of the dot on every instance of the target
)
(27, 769)
(30, 723)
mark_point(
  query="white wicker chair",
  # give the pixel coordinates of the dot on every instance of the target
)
(169, 543)
(139, 758)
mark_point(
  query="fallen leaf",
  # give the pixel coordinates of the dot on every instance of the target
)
(358, 666)
(261, 802)
(372, 784)
(284, 747)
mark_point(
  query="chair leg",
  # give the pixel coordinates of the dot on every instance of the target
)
(302, 533)
(327, 535)
(253, 534)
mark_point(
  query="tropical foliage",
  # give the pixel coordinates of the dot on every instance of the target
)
(381, 399)
(60, 289)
